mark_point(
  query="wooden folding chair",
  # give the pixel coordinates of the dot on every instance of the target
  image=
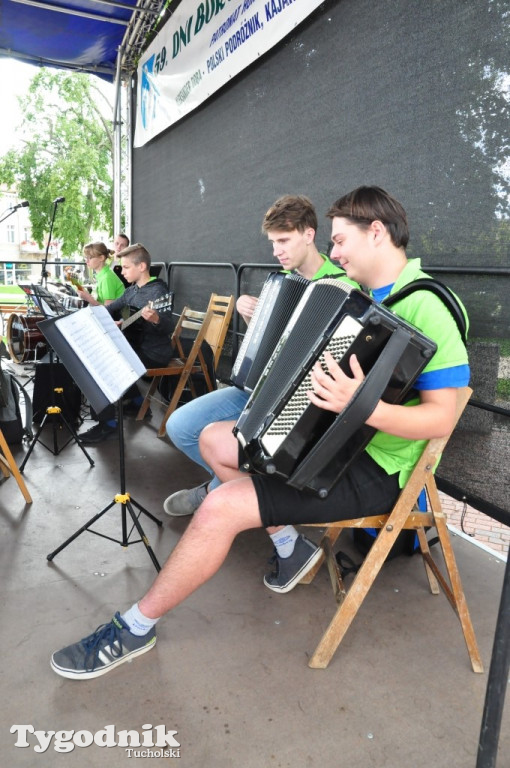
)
(210, 326)
(9, 467)
(404, 516)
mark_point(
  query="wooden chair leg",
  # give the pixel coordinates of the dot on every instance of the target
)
(425, 552)
(330, 536)
(174, 402)
(7, 461)
(147, 399)
(454, 591)
(364, 579)
(455, 594)
(4, 467)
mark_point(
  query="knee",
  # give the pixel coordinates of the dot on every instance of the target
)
(179, 428)
(215, 514)
(207, 441)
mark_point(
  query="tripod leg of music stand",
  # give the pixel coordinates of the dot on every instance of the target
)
(141, 533)
(32, 444)
(145, 512)
(80, 531)
(75, 437)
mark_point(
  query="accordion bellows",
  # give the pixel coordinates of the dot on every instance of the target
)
(280, 431)
(279, 296)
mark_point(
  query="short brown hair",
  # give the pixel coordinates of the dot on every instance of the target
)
(364, 205)
(137, 253)
(290, 212)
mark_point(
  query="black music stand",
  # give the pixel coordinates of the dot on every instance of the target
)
(50, 305)
(90, 381)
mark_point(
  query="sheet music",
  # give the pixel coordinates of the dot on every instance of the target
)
(102, 349)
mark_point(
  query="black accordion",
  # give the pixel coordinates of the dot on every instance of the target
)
(278, 299)
(281, 432)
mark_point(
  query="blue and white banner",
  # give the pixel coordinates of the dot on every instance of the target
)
(202, 47)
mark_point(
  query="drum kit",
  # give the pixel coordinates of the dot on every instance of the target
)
(25, 342)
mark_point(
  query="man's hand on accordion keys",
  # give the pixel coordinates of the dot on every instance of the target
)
(332, 389)
(246, 306)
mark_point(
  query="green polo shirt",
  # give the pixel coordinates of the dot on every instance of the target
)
(428, 313)
(329, 269)
(108, 285)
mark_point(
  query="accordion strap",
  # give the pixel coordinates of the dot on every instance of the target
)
(441, 291)
(355, 413)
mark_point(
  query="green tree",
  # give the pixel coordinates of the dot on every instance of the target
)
(66, 150)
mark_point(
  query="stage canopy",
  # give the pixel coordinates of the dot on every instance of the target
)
(83, 35)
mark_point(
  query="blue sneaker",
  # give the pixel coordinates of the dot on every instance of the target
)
(288, 571)
(110, 645)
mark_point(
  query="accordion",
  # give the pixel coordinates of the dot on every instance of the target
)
(281, 432)
(278, 299)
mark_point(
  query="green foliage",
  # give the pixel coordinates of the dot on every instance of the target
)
(67, 150)
(503, 389)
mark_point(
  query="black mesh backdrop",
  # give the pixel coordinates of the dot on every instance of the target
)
(411, 96)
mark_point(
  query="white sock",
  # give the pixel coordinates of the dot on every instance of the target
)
(284, 540)
(138, 623)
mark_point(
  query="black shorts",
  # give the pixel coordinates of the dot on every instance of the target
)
(364, 489)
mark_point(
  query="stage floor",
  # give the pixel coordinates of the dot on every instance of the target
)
(229, 673)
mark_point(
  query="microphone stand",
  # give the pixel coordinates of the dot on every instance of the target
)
(44, 273)
(9, 212)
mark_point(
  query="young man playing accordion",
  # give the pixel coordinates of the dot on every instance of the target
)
(370, 234)
(290, 225)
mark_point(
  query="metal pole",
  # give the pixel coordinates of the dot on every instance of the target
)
(497, 682)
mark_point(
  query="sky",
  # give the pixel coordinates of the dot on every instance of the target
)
(15, 77)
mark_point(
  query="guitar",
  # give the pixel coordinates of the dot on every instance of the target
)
(164, 304)
(72, 277)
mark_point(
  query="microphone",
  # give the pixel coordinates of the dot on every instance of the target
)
(24, 204)
(59, 200)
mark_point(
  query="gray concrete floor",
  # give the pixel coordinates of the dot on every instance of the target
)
(229, 672)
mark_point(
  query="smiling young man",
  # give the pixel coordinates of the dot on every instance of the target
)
(370, 234)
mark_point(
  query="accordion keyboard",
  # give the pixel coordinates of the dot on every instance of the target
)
(338, 346)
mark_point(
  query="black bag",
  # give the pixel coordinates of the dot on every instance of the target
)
(11, 422)
(406, 542)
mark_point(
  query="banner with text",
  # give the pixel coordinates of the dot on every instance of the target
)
(202, 47)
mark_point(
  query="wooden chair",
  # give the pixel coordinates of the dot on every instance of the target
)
(404, 516)
(210, 326)
(9, 467)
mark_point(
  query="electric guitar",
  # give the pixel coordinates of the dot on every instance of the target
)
(164, 304)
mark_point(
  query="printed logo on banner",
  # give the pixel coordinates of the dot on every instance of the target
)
(150, 93)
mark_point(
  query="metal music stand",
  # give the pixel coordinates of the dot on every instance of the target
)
(127, 503)
(51, 305)
(88, 378)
